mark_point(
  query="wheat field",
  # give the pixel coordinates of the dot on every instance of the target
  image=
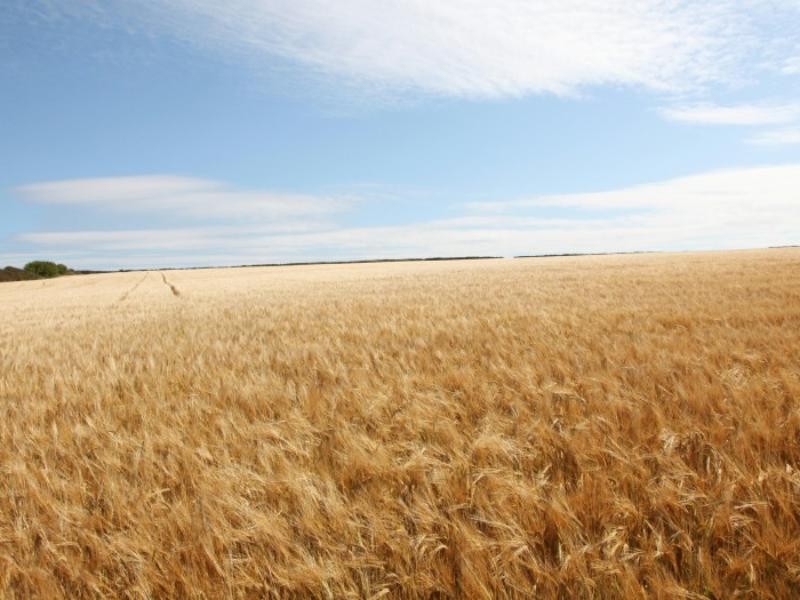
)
(588, 427)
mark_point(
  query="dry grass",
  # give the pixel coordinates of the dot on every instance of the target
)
(580, 427)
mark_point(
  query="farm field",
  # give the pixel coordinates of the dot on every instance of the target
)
(576, 427)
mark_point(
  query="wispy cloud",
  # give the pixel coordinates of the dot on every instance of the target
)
(479, 49)
(184, 197)
(777, 137)
(734, 114)
(791, 66)
(757, 206)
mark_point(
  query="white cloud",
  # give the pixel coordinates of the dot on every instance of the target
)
(484, 49)
(778, 137)
(736, 114)
(183, 197)
(752, 190)
(748, 207)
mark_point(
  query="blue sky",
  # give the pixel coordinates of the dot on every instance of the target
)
(188, 132)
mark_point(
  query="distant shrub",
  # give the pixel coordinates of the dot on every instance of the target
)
(45, 268)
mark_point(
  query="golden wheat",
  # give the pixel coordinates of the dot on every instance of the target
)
(599, 427)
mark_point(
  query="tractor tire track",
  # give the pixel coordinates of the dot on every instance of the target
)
(124, 296)
(175, 291)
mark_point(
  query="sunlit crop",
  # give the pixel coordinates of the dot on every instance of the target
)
(622, 426)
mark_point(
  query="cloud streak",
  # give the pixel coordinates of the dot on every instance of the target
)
(736, 114)
(778, 137)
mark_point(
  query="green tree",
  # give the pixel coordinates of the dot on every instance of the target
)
(45, 268)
